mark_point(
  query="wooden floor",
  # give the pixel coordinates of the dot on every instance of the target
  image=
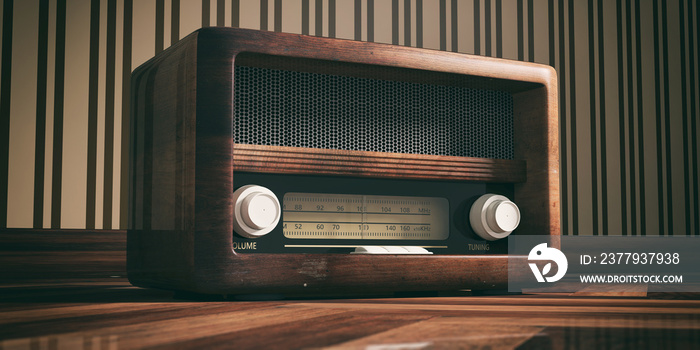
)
(111, 314)
(88, 304)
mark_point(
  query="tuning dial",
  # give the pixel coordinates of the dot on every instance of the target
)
(256, 211)
(494, 217)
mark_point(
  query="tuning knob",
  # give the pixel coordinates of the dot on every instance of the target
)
(494, 217)
(256, 211)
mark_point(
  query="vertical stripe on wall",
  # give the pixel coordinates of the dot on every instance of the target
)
(521, 39)
(126, 108)
(603, 124)
(235, 13)
(419, 23)
(530, 30)
(57, 171)
(40, 132)
(641, 187)
(684, 116)
(370, 20)
(693, 130)
(92, 114)
(642, 89)
(109, 113)
(407, 22)
(550, 27)
(499, 28)
(563, 122)
(667, 121)
(160, 25)
(174, 22)
(659, 139)
(477, 27)
(331, 18)
(263, 14)
(395, 22)
(487, 27)
(358, 20)
(683, 10)
(455, 25)
(572, 119)
(220, 13)
(632, 204)
(277, 15)
(5, 85)
(593, 115)
(305, 17)
(206, 12)
(621, 103)
(318, 18)
(443, 25)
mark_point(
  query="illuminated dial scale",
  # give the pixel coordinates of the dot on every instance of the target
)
(342, 216)
(326, 216)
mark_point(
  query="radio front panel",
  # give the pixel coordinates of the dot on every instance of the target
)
(321, 214)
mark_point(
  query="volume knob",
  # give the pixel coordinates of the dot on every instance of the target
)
(494, 217)
(256, 211)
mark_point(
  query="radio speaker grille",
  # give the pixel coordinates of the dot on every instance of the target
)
(299, 109)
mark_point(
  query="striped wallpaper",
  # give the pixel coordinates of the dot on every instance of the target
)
(628, 77)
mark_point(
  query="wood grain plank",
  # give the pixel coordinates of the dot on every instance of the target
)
(62, 264)
(304, 333)
(612, 338)
(31, 254)
(525, 300)
(614, 290)
(611, 321)
(512, 309)
(13, 240)
(297, 160)
(140, 333)
(49, 313)
(442, 334)
(87, 318)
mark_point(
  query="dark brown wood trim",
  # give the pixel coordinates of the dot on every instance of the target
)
(295, 160)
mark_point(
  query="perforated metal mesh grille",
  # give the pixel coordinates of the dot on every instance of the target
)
(298, 109)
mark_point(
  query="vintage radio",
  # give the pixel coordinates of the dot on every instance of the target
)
(265, 162)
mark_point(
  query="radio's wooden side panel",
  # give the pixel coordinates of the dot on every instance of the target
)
(161, 228)
(536, 122)
(183, 172)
